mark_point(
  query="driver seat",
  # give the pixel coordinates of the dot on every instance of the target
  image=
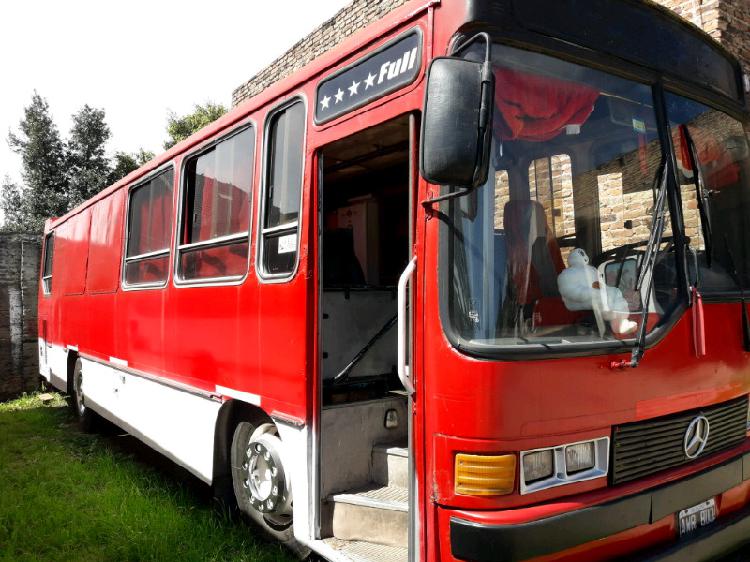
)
(534, 258)
(534, 262)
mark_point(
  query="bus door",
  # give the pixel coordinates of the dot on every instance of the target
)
(367, 184)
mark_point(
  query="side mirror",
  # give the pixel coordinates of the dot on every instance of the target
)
(456, 124)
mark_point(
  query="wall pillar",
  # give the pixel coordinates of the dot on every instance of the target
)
(19, 266)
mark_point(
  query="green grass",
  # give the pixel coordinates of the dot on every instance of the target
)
(65, 495)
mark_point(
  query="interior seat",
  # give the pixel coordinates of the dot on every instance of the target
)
(534, 262)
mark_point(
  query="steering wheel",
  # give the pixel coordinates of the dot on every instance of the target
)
(621, 252)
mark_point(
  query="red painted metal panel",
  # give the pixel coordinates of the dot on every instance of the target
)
(105, 244)
(71, 254)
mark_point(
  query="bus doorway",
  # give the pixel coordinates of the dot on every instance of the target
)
(365, 241)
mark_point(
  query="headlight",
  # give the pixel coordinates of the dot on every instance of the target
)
(563, 464)
(579, 457)
(538, 465)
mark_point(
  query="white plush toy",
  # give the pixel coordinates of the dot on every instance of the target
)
(581, 289)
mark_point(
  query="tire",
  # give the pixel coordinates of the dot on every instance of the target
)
(87, 418)
(253, 495)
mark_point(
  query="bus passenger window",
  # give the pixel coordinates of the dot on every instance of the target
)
(283, 188)
(717, 196)
(149, 230)
(216, 210)
(49, 245)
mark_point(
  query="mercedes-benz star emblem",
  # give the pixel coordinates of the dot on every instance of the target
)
(696, 437)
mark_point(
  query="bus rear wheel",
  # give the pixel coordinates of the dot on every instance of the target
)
(87, 418)
(261, 482)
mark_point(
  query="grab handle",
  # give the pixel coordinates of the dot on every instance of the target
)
(402, 368)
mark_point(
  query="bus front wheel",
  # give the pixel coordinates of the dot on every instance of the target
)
(261, 482)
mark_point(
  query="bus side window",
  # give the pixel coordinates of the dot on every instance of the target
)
(214, 235)
(49, 245)
(149, 231)
(282, 191)
(723, 155)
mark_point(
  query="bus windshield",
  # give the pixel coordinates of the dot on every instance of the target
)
(549, 251)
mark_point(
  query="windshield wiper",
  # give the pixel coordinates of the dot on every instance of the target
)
(701, 194)
(658, 222)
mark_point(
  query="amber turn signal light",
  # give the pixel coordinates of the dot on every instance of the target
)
(485, 475)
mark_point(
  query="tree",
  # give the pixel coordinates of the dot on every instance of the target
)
(180, 128)
(44, 169)
(126, 162)
(12, 205)
(59, 175)
(88, 166)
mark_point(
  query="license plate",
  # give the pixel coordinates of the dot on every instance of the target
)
(697, 516)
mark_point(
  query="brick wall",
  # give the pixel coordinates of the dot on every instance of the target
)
(727, 21)
(736, 35)
(357, 15)
(19, 265)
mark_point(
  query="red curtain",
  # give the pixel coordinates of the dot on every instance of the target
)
(207, 205)
(715, 161)
(535, 108)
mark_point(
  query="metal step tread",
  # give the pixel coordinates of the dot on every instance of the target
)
(397, 449)
(362, 551)
(377, 496)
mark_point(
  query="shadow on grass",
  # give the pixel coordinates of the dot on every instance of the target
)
(147, 458)
(66, 495)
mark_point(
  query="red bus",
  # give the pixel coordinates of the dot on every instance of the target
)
(470, 286)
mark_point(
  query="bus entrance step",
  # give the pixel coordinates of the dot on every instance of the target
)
(376, 514)
(363, 551)
(390, 465)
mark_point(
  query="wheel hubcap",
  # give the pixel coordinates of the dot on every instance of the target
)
(263, 478)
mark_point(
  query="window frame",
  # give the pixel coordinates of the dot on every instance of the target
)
(177, 279)
(126, 238)
(263, 276)
(47, 279)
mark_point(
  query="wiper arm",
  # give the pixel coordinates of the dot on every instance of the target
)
(657, 226)
(658, 222)
(701, 194)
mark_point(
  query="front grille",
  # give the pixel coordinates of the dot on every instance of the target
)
(647, 447)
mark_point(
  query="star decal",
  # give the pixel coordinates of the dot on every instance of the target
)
(339, 95)
(369, 81)
(324, 102)
(353, 88)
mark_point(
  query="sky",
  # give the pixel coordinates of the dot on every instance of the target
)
(138, 60)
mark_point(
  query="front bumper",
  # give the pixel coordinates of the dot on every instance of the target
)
(708, 543)
(479, 542)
